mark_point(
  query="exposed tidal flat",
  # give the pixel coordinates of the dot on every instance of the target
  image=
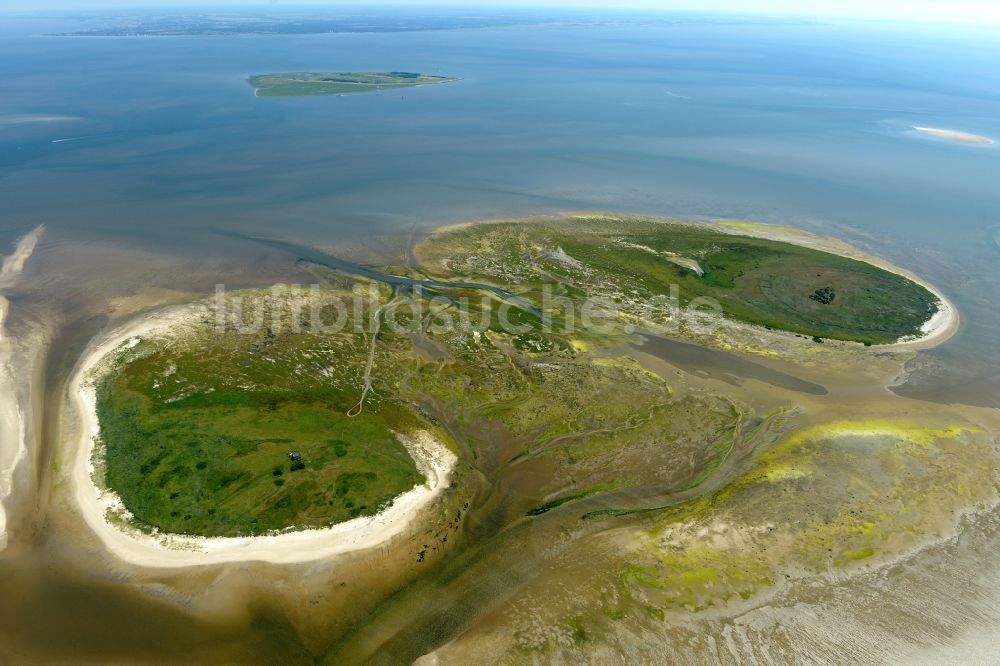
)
(662, 497)
(14, 392)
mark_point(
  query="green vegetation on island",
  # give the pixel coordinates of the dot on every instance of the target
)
(199, 434)
(197, 428)
(634, 261)
(299, 84)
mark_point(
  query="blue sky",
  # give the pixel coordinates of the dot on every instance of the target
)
(957, 11)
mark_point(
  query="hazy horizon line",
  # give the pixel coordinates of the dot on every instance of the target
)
(957, 15)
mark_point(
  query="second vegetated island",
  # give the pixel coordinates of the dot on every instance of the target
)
(300, 84)
(632, 261)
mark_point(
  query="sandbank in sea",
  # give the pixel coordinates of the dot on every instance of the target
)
(13, 428)
(953, 135)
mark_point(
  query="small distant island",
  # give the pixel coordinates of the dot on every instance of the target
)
(300, 84)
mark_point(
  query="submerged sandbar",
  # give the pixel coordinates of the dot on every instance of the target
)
(954, 135)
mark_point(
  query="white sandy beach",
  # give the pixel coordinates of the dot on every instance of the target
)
(953, 135)
(935, 331)
(432, 458)
(13, 444)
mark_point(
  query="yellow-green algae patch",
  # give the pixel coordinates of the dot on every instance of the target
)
(696, 577)
(785, 461)
(834, 495)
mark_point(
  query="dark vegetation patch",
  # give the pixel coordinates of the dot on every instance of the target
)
(824, 295)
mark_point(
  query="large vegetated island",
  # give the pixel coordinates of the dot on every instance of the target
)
(300, 84)
(228, 433)
(197, 429)
(633, 261)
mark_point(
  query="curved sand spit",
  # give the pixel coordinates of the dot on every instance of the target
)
(13, 447)
(432, 458)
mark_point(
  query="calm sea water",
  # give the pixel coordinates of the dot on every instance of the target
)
(803, 125)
